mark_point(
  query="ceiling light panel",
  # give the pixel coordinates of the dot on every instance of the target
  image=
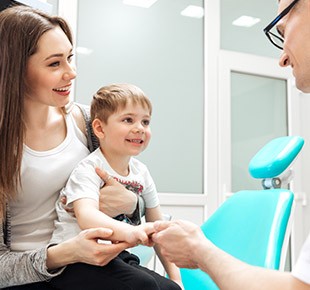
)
(193, 11)
(140, 3)
(246, 21)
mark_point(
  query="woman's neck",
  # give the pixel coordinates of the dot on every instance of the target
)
(45, 127)
(38, 116)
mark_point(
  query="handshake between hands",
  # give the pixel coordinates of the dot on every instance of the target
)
(141, 234)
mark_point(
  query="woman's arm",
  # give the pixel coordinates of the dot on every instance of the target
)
(84, 248)
(17, 268)
(29, 265)
(115, 199)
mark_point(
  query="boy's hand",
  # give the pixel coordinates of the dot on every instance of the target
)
(149, 229)
(141, 235)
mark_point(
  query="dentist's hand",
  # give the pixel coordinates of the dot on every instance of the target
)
(178, 241)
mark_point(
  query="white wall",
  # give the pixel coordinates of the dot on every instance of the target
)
(197, 207)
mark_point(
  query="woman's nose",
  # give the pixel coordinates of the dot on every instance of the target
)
(70, 73)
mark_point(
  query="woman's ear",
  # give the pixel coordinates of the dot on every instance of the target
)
(98, 128)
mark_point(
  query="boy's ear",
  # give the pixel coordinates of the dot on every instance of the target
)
(98, 128)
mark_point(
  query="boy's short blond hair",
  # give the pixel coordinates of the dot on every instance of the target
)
(109, 99)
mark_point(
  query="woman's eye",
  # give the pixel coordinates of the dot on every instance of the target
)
(70, 57)
(54, 64)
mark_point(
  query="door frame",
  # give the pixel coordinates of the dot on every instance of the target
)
(229, 62)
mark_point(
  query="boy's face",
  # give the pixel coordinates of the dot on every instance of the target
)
(127, 132)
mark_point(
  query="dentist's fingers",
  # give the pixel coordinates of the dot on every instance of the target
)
(161, 225)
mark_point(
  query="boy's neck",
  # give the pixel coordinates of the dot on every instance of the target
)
(119, 164)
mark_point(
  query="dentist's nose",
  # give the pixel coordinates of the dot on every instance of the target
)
(284, 60)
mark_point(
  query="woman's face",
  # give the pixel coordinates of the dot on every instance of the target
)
(50, 73)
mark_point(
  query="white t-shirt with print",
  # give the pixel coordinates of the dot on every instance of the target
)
(85, 183)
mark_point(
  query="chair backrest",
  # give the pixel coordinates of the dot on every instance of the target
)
(275, 157)
(251, 226)
(254, 225)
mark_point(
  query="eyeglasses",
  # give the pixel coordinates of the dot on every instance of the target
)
(275, 38)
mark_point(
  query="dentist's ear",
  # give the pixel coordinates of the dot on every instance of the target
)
(98, 128)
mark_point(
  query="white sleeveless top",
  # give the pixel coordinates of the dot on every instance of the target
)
(43, 175)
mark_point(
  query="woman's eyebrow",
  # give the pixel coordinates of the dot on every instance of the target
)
(57, 55)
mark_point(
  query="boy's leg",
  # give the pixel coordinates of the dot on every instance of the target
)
(116, 275)
(33, 286)
(162, 282)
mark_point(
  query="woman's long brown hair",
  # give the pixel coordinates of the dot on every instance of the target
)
(20, 29)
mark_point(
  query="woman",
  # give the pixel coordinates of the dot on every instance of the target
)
(41, 141)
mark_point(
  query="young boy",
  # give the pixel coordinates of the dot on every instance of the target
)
(121, 117)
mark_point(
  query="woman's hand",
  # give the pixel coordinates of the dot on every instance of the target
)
(85, 248)
(114, 198)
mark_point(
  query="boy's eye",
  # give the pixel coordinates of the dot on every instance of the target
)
(128, 120)
(146, 122)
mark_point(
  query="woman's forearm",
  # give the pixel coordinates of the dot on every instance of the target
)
(18, 268)
(59, 256)
(84, 248)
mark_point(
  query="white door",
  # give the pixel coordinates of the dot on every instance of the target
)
(257, 102)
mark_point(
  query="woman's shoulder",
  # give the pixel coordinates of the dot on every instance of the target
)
(80, 113)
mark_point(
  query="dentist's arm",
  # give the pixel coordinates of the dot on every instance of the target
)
(194, 250)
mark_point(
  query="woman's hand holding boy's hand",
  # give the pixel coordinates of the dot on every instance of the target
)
(84, 248)
(114, 198)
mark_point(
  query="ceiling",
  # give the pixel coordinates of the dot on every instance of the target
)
(248, 40)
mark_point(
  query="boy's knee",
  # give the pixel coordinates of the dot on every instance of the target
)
(169, 285)
(146, 282)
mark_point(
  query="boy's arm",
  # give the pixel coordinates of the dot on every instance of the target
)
(89, 216)
(152, 215)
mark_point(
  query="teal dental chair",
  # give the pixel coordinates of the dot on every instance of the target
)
(254, 225)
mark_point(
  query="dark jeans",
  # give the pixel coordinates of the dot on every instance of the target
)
(34, 286)
(122, 273)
